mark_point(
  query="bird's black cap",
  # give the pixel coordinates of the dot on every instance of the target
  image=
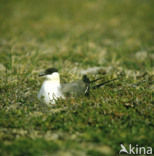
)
(51, 70)
(48, 71)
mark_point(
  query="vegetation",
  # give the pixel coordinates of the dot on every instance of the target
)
(74, 36)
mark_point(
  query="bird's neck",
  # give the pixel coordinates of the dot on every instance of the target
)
(53, 78)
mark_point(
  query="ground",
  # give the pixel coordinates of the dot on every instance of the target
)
(75, 36)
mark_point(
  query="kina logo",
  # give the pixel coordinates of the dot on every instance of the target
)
(135, 150)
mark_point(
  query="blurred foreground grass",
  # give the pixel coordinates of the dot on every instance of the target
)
(71, 36)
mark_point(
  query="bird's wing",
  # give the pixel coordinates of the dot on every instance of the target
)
(74, 88)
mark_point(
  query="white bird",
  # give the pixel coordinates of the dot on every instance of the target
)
(52, 89)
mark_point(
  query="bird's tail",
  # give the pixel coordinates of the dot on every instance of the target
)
(87, 80)
(103, 83)
(96, 79)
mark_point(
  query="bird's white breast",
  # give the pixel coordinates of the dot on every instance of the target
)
(50, 91)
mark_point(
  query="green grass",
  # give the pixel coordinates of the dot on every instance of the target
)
(71, 36)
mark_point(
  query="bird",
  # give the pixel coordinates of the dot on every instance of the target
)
(52, 89)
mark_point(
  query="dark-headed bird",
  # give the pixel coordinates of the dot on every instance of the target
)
(52, 89)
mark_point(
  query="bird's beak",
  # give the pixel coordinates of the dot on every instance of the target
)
(42, 74)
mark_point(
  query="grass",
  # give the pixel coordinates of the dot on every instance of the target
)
(74, 36)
